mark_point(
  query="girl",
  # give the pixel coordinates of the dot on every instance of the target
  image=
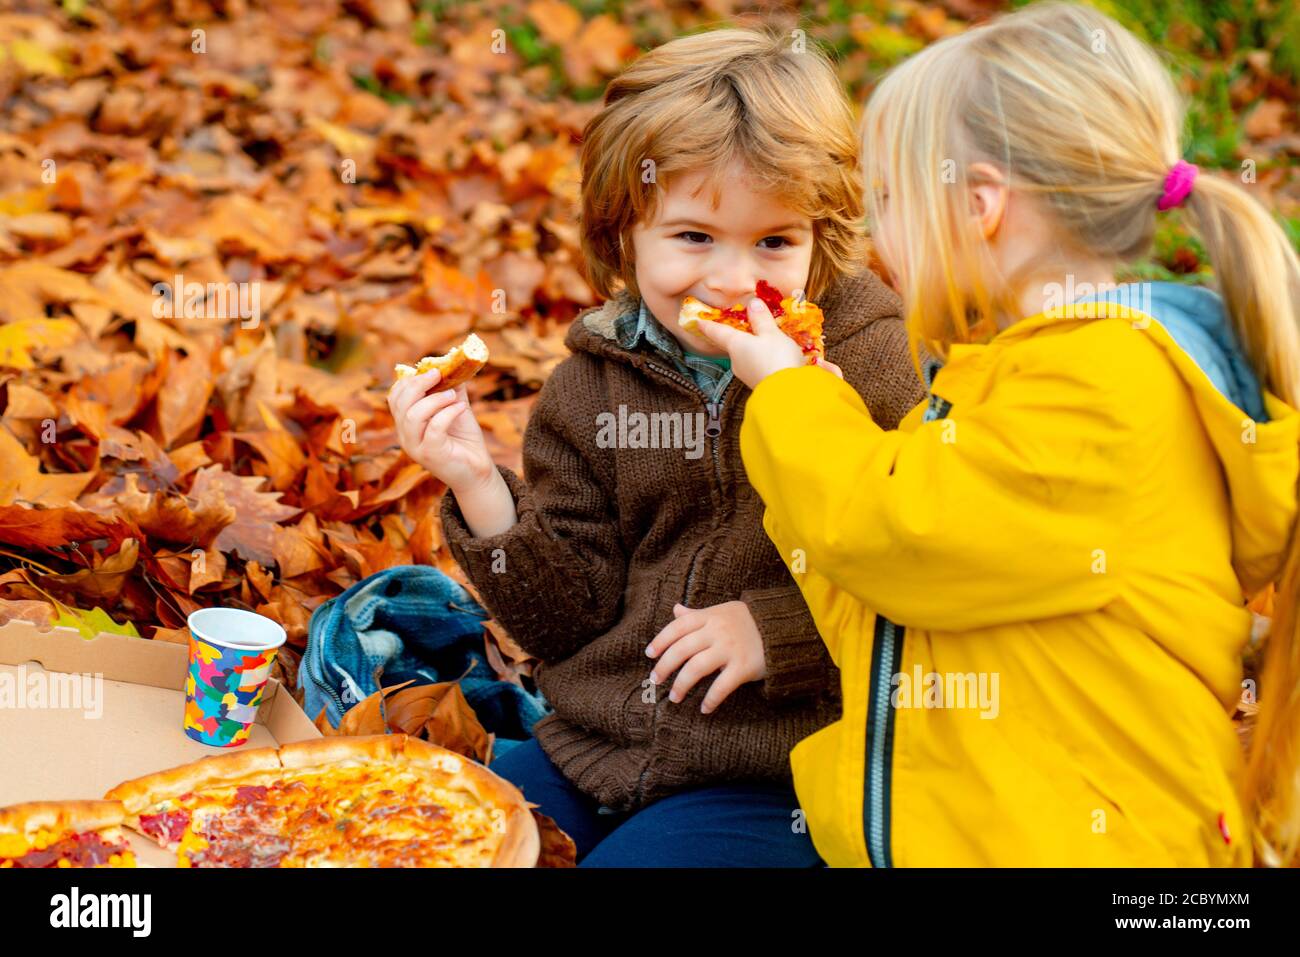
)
(1035, 589)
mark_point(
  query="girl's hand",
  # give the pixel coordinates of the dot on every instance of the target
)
(439, 431)
(704, 640)
(755, 357)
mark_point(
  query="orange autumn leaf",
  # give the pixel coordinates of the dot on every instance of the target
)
(438, 713)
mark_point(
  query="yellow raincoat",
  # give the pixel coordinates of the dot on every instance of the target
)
(1059, 562)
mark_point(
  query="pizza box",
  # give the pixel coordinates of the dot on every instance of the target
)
(79, 715)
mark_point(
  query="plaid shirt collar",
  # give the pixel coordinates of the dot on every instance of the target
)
(638, 329)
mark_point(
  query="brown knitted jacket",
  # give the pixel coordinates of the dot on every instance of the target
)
(608, 539)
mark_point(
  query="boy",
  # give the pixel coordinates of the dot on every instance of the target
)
(628, 563)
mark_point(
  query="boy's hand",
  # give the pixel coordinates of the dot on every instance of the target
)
(702, 640)
(439, 431)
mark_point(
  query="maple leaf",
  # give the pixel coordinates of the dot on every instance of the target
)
(21, 478)
(48, 529)
(91, 623)
(257, 514)
(195, 520)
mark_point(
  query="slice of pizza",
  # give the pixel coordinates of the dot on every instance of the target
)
(366, 801)
(457, 366)
(64, 834)
(799, 319)
(174, 807)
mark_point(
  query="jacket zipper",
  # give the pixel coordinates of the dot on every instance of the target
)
(887, 651)
(713, 430)
(319, 654)
(714, 409)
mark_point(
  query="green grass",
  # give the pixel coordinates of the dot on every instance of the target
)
(1260, 25)
(1213, 133)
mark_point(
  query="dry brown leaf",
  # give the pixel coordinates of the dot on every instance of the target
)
(440, 714)
(21, 478)
(250, 535)
(558, 849)
(1266, 120)
(194, 520)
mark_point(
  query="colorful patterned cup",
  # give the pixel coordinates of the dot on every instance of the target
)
(230, 659)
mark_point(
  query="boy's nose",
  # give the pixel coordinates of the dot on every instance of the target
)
(729, 289)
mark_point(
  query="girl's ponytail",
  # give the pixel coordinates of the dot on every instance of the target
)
(1258, 274)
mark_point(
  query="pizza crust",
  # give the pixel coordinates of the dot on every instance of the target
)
(28, 818)
(521, 842)
(366, 748)
(140, 794)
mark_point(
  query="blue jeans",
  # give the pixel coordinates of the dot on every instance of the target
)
(731, 825)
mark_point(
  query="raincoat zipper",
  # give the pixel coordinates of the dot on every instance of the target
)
(887, 650)
(880, 742)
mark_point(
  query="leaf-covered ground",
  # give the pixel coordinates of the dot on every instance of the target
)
(375, 178)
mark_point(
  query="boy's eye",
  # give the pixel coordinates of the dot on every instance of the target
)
(698, 238)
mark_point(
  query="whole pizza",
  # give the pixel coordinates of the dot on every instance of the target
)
(373, 801)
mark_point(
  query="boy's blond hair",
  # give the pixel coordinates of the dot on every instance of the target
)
(700, 102)
(1074, 109)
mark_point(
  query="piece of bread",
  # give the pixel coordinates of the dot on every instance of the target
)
(457, 367)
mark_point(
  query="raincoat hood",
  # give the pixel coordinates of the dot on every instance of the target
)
(1196, 319)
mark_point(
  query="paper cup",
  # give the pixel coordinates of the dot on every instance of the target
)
(230, 659)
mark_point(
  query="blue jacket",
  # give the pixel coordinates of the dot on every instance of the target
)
(415, 623)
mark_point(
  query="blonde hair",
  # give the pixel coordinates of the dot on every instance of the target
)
(1074, 109)
(701, 102)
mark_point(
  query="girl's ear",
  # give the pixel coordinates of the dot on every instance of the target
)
(988, 197)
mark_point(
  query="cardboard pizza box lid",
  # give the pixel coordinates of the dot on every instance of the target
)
(78, 716)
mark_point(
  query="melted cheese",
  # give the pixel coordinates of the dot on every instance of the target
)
(14, 846)
(339, 816)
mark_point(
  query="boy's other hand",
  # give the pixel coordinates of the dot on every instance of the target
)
(703, 640)
(439, 431)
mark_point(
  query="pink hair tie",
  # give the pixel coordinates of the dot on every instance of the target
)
(1178, 184)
